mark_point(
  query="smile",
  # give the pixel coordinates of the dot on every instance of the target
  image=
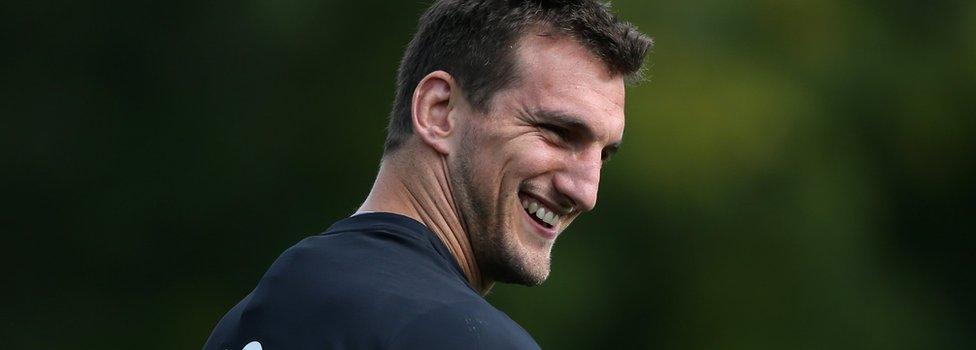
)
(540, 213)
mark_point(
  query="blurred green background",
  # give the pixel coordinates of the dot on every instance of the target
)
(795, 175)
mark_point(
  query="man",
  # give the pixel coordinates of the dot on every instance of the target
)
(504, 114)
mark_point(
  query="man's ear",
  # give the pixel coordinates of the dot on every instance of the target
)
(431, 110)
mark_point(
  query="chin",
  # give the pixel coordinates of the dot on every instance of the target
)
(525, 266)
(536, 279)
(525, 278)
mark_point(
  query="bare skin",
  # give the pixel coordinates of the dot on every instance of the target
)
(467, 174)
(424, 195)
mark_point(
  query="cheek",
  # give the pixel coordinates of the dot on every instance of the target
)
(534, 157)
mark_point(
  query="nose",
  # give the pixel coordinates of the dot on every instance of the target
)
(580, 179)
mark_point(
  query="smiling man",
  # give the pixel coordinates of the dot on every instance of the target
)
(505, 113)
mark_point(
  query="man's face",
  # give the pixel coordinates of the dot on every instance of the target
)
(542, 145)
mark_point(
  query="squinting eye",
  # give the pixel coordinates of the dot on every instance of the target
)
(555, 130)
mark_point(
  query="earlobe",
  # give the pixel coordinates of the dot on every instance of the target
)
(431, 110)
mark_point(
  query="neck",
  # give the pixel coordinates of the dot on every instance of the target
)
(420, 190)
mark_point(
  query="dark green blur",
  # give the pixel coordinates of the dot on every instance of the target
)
(794, 175)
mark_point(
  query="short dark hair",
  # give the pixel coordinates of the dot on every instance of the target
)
(474, 41)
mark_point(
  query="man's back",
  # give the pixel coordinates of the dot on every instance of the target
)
(375, 280)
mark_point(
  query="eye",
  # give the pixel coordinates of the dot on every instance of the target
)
(558, 133)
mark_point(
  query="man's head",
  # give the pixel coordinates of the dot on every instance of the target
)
(524, 101)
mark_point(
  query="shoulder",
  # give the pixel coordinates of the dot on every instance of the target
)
(344, 289)
(360, 286)
(357, 263)
(469, 324)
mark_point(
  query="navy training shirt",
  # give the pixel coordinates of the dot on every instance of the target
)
(371, 281)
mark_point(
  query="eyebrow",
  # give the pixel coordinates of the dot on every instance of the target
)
(574, 124)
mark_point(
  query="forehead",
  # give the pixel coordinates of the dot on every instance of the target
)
(557, 73)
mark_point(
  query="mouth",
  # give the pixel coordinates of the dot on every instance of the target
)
(543, 218)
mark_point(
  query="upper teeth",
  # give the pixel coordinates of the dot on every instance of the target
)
(540, 211)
